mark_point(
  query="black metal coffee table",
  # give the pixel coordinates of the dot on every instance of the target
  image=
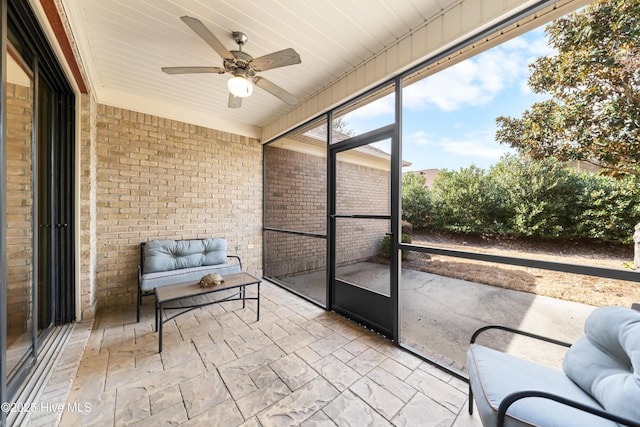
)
(181, 291)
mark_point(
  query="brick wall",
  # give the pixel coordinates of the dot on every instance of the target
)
(361, 190)
(296, 200)
(162, 179)
(19, 211)
(88, 206)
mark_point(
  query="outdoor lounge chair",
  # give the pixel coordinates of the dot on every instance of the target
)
(599, 384)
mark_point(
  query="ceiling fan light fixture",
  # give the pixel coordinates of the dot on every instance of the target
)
(239, 86)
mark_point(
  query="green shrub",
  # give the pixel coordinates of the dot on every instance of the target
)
(610, 208)
(537, 197)
(519, 196)
(462, 201)
(416, 200)
(385, 249)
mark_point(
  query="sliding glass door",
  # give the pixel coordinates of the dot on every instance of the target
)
(19, 213)
(37, 291)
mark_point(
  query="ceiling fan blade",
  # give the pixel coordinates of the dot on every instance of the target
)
(282, 58)
(192, 70)
(198, 27)
(275, 90)
(234, 101)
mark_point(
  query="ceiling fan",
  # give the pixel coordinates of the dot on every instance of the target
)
(241, 65)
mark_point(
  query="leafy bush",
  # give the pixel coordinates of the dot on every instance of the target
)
(416, 200)
(537, 197)
(519, 196)
(462, 200)
(610, 208)
(385, 249)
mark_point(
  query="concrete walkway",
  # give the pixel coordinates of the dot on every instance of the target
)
(439, 313)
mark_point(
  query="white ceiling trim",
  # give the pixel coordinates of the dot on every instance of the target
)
(454, 25)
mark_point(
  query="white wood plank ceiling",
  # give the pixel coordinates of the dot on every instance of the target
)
(124, 43)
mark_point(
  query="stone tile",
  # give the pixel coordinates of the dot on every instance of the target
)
(169, 416)
(175, 355)
(336, 372)
(148, 364)
(167, 397)
(132, 407)
(203, 392)
(249, 363)
(254, 343)
(343, 355)
(230, 320)
(102, 411)
(396, 369)
(261, 398)
(447, 395)
(202, 341)
(328, 344)
(300, 405)
(263, 376)
(436, 372)
(356, 347)
(317, 329)
(393, 384)
(366, 361)
(422, 411)
(319, 419)
(241, 386)
(461, 385)
(223, 415)
(349, 411)
(308, 355)
(273, 331)
(253, 422)
(289, 325)
(293, 371)
(465, 420)
(376, 396)
(156, 382)
(216, 355)
(291, 343)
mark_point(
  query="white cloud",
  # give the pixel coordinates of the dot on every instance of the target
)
(477, 144)
(478, 80)
(379, 107)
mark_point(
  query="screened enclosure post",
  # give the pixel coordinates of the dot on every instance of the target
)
(396, 219)
(331, 210)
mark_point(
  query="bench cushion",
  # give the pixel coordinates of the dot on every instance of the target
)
(167, 255)
(605, 361)
(151, 281)
(495, 374)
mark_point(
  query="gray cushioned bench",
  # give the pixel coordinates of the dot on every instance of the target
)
(599, 384)
(168, 262)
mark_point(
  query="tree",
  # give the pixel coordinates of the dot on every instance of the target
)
(341, 125)
(416, 200)
(593, 80)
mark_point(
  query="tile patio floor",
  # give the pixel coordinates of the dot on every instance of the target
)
(298, 365)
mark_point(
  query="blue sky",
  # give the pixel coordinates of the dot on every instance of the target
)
(449, 118)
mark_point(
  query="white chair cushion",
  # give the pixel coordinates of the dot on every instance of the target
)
(605, 361)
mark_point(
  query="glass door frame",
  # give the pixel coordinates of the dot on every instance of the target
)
(382, 313)
(19, 22)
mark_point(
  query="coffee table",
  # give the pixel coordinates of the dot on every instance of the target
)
(182, 291)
